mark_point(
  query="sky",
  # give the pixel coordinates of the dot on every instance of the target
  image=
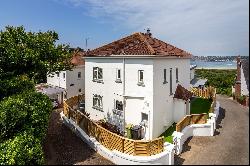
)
(201, 27)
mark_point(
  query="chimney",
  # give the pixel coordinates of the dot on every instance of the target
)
(148, 32)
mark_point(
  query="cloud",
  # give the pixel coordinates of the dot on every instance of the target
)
(211, 27)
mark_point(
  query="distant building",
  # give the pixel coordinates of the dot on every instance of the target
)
(241, 87)
(194, 81)
(72, 81)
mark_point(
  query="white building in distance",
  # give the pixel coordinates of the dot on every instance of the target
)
(138, 79)
(72, 81)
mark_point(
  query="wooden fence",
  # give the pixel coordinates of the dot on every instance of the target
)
(111, 140)
(191, 119)
(204, 93)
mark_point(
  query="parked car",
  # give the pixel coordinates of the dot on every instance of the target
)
(54, 103)
(82, 106)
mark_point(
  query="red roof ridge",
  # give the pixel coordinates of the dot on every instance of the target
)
(145, 40)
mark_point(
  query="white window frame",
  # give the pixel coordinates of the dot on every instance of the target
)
(97, 74)
(97, 102)
(118, 79)
(140, 81)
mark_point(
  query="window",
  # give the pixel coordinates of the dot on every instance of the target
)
(171, 91)
(140, 77)
(118, 76)
(97, 74)
(57, 74)
(165, 76)
(80, 90)
(176, 72)
(79, 74)
(118, 105)
(97, 102)
(144, 116)
(64, 75)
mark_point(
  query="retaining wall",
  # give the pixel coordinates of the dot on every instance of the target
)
(206, 129)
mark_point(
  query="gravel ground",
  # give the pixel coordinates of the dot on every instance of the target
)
(230, 145)
(63, 147)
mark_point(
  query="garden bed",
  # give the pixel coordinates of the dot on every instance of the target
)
(168, 133)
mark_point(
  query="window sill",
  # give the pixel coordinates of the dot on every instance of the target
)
(118, 81)
(97, 108)
(141, 84)
(165, 82)
(98, 81)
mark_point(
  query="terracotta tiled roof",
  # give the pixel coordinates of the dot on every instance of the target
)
(182, 93)
(139, 44)
(77, 58)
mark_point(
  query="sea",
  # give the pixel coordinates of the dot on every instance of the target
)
(201, 64)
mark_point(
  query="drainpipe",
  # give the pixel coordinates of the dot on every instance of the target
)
(123, 93)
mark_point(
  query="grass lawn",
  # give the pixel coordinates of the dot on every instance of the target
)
(168, 133)
(200, 105)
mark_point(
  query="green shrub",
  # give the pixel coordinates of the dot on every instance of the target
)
(24, 149)
(222, 80)
(29, 110)
(15, 85)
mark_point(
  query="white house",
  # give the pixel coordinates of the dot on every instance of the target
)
(72, 81)
(136, 77)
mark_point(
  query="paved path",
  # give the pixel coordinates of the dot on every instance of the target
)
(63, 147)
(230, 145)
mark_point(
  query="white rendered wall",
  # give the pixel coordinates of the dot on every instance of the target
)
(138, 98)
(244, 90)
(72, 78)
(163, 116)
(192, 74)
(52, 79)
(179, 110)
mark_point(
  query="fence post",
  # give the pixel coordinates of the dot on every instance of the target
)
(123, 145)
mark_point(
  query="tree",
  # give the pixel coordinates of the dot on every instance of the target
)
(32, 53)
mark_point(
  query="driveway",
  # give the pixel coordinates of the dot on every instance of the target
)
(230, 145)
(63, 147)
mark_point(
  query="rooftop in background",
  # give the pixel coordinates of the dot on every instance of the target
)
(49, 90)
(192, 67)
(182, 93)
(245, 68)
(77, 59)
(196, 82)
(139, 44)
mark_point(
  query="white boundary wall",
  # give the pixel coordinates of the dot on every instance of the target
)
(164, 158)
(206, 129)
